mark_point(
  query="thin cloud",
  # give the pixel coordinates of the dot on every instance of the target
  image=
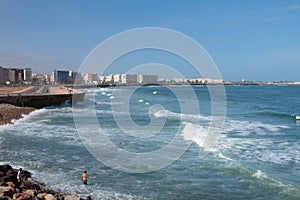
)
(230, 24)
(268, 20)
(253, 22)
(286, 8)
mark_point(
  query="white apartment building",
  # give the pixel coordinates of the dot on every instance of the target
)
(129, 78)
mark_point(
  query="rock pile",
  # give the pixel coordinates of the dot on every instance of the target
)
(9, 112)
(27, 189)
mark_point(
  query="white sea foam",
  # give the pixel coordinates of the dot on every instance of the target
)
(259, 174)
(246, 127)
(220, 155)
(195, 133)
(186, 117)
(239, 143)
(30, 117)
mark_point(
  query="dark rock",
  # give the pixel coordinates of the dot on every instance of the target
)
(2, 173)
(5, 168)
(6, 198)
(6, 191)
(88, 198)
(25, 174)
(3, 183)
(29, 185)
(22, 196)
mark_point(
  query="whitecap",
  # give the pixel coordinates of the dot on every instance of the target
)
(259, 174)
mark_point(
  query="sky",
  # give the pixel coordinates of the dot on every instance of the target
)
(255, 40)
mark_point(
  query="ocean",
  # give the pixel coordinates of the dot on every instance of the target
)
(256, 156)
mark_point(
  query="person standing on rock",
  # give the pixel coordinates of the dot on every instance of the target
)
(84, 177)
(19, 175)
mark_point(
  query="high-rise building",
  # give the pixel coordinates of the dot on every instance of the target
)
(61, 76)
(27, 75)
(3, 75)
(15, 76)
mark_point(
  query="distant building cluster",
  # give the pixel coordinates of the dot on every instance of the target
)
(190, 81)
(129, 79)
(16, 76)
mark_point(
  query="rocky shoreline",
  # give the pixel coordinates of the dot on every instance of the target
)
(27, 189)
(8, 113)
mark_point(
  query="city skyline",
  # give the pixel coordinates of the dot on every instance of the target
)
(247, 40)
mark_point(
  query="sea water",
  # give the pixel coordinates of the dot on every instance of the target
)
(257, 155)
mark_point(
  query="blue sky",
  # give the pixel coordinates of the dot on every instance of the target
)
(252, 40)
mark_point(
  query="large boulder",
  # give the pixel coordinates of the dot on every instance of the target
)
(49, 197)
(72, 197)
(88, 198)
(30, 192)
(6, 191)
(6, 198)
(10, 184)
(10, 176)
(29, 185)
(4, 168)
(41, 195)
(3, 183)
(22, 196)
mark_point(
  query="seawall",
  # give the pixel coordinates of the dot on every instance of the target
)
(40, 100)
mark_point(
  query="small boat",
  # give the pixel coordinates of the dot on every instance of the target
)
(297, 117)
